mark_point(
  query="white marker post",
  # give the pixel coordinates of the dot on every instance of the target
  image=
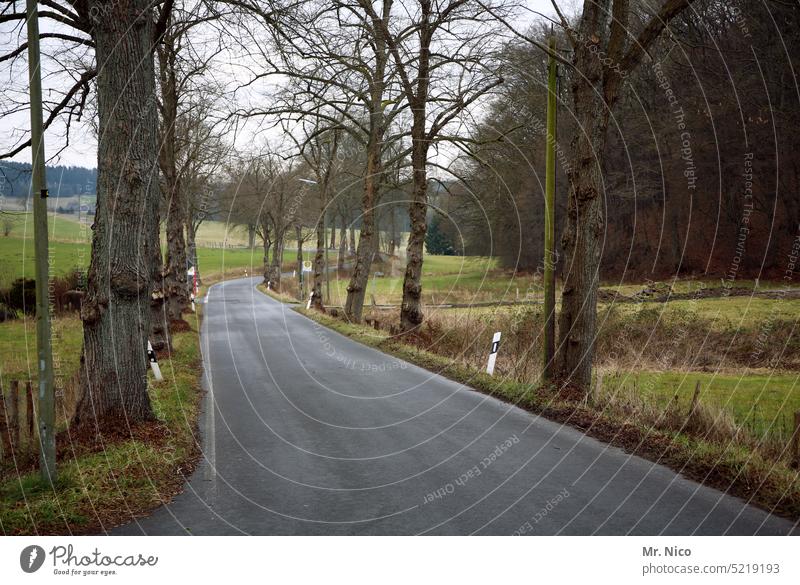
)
(192, 273)
(151, 355)
(493, 354)
(310, 298)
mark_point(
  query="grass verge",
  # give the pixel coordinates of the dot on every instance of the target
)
(103, 483)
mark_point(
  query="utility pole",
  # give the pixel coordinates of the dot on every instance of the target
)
(327, 271)
(44, 350)
(549, 219)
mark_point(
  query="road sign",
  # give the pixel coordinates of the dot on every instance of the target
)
(307, 265)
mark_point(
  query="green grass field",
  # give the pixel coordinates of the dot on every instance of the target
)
(763, 402)
(62, 228)
(99, 488)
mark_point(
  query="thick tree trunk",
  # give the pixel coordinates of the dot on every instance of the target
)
(176, 286)
(116, 309)
(357, 288)
(585, 223)
(176, 290)
(411, 314)
(595, 89)
(373, 175)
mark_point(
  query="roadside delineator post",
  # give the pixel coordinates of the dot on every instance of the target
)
(151, 355)
(310, 298)
(192, 272)
(493, 354)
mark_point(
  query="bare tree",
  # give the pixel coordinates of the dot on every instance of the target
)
(185, 96)
(441, 51)
(606, 47)
(319, 148)
(115, 311)
(338, 51)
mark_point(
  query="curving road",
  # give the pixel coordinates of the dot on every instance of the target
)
(308, 432)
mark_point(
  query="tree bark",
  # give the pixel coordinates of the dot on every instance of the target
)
(298, 230)
(352, 240)
(333, 232)
(592, 100)
(251, 236)
(116, 309)
(319, 261)
(267, 241)
(393, 234)
(342, 245)
(191, 247)
(277, 261)
(357, 288)
(411, 314)
(176, 290)
(159, 323)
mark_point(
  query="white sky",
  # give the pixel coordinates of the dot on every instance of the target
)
(82, 148)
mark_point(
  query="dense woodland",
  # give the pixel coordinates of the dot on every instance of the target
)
(64, 181)
(702, 180)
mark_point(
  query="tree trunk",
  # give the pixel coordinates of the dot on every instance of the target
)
(251, 236)
(319, 260)
(116, 309)
(298, 230)
(277, 261)
(393, 234)
(373, 174)
(342, 245)
(176, 286)
(585, 222)
(411, 314)
(267, 245)
(191, 247)
(159, 324)
(333, 232)
(352, 240)
(176, 291)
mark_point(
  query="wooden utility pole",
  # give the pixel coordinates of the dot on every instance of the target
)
(44, 350)
(549, 219)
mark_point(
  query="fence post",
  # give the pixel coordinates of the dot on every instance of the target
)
(13, 407)
(796, 441)
(29, 410)
(5, 437)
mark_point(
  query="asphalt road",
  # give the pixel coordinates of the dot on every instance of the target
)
(308, 432)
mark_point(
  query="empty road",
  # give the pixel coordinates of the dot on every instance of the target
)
(308, 432)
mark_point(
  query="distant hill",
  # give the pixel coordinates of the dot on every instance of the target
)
(61, 181)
